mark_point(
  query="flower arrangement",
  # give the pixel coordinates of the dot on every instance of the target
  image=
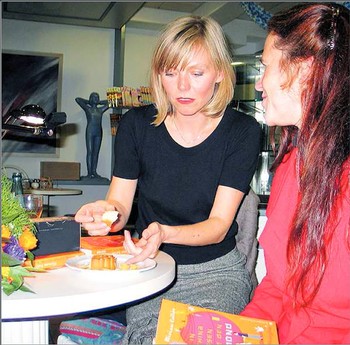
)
(18, 239)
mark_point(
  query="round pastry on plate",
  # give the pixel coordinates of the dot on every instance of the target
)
(103, 262)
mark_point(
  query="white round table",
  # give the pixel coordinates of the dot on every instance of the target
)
(54, 192)
(66, 291)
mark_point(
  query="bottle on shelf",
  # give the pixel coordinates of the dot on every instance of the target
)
(17, 187)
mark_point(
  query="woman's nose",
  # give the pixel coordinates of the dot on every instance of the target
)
(183, 82)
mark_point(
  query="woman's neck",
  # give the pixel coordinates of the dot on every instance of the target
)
(189, 131)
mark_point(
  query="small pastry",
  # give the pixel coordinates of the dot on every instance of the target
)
(103, 262)
(110, 217)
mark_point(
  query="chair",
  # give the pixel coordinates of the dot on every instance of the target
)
(246, 238)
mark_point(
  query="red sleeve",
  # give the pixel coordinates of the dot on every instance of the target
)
(266, 303)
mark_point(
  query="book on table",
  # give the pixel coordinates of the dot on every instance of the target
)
(112, 244)
(51, 261)
(180, 323)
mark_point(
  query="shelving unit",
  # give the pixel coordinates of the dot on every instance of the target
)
(84, 182)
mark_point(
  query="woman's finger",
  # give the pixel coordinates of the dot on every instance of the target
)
(143, 255)
(129, 244)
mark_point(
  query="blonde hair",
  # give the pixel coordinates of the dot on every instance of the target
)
(175, 47)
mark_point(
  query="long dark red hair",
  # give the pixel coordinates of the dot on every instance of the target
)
(320, 31)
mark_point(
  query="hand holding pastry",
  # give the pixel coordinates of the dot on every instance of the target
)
(91, 217)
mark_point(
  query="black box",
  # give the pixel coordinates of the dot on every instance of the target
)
(56, 235)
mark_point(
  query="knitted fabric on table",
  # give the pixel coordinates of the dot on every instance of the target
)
(93, 331)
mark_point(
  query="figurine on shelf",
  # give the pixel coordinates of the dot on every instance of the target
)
(94, 109)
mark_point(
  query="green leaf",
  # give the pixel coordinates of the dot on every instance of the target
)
(25, 289)
(7, 287)
(9, 218)
(8, 260)
(12, 213)
(30, 256)
(17, 282)
(22, 271)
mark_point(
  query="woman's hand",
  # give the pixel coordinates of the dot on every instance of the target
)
(90, 217)
(147, 246)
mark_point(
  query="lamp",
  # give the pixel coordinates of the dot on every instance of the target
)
(32, 114)
(32, 119)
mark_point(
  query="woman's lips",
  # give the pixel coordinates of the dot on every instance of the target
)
(185, 100)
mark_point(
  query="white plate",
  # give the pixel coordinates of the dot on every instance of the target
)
(82, 264)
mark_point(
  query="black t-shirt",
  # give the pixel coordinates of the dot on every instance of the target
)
(177, 185)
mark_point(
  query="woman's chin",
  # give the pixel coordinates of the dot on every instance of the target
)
(268, 120)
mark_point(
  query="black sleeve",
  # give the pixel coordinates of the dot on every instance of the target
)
(128, 141)
(242, 153)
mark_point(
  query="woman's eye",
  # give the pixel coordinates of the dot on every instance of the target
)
(262, 68)
(198, 74)
(169, 73)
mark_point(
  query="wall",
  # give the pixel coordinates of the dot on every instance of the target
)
(139, 46)
(239, 33)
(87, 66)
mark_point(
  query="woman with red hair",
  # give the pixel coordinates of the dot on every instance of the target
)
(306, 241)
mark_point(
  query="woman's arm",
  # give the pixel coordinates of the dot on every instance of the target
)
(213, 230)
(121, 194)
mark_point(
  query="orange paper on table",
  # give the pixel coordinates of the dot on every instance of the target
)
(103, 244)
(52, 261)
(180, 323)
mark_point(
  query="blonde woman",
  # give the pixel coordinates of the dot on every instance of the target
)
(192, 158)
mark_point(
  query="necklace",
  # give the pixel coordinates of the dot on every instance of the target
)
(193, 140)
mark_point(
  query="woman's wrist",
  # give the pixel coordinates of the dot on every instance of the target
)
(166, 233)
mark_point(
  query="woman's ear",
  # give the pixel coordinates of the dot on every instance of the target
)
(220, 77)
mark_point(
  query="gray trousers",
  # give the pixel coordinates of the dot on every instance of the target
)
(222, 284)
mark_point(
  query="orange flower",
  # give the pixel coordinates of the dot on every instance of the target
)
(5, 231)
(27, 240)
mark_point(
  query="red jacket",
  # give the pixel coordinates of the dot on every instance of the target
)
(327, 319)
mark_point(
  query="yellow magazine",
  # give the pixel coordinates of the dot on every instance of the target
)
(180, 323)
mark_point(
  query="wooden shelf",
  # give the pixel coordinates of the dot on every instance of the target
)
(87, 182)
